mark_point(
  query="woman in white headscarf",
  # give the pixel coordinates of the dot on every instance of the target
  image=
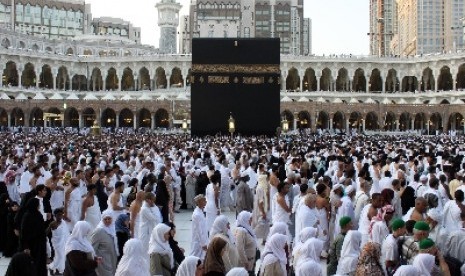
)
(238, 271)
(105, 244)
(349, 253)
(222, 228)
(134, 260)
(261, 206)
(274, 262)
(191, 266)
(161, 255)
(304, 235)
(310, 251)
(309, 268)
(80, 255)
(424, 263)
(407, 270)
(246, 241)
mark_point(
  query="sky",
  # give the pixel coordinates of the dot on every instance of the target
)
(339, 26)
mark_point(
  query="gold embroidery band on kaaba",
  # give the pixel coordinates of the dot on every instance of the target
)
(236, 68)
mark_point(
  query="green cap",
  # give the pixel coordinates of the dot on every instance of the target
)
(397, 224)
(344, 221)
(421, 225)
(426, 243)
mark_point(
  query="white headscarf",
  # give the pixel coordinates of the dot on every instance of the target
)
(134, 260)
(188, 266)
(424, 263)
(110, 230)
(310, 251)
(276, 245)
(304, 235)
(243, 223)
(158, 244)
(238, 271)
(278, 228)
(407, 270)
(220, 226)
(309, 268)
(349, 253)
(78, 239)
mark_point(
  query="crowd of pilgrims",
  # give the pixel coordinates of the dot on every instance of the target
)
(105, 205)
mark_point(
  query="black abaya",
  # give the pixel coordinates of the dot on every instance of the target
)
(4, 202)
(32, 236)
(11, 246)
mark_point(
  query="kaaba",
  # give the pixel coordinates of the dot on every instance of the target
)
(235, 77)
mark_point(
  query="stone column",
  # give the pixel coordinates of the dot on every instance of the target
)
(136, 82)
(152, 85)
(135, 120)
(296, 117)
(301, 76)
(81, 121)
(37, 78)
(54, 78)
(20, 76)
(383, 83)
(152, 120)
(119, 75)
(397, 125)
(347, 126)
(318, 82)
(104, 83)
(367, 86)
(363, 125)
(413, 124)
(9, 119)
(168, 84)
(117, 119)
(331, 124)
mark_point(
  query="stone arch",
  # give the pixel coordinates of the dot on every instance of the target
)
(355, 120)
(409, 84)
(342, 80)
(404, 121)
(69, 51)
(46, 77)
(326, 80)
(88, 52)
(35, 48)
(62, 78)
(359, 82)
(445, 81)
(303, 120)
(144, 79)
(108, 118)
(160, 78)
(112, 82)
(427, 83)
(322, 120)
(162, 118)
(376, 82)
(10, 74)
(292, 80)
(456, 121)
(6, 43)
(127, 80)
(36, 117)
(126, 118)
(420, 121)
(339, 122)
(390, 121)
(288, 116)
(176, 79)
(309, 82)
(392, 81)
(145, 118)
(79, 83)
(53, 122)
(88, 117)
(371, 121)
(71, 117)
(3, 118)
(96, 80)
(28, 77)
(21, 45)
(461, 77)
(435, 123)
(17, 117)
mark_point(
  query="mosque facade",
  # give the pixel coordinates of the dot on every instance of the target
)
(130, 85)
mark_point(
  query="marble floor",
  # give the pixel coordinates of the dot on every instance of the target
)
(183, 236)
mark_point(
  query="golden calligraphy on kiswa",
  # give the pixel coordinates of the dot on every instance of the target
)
(218, 79)
(237, 68)
(253, 80)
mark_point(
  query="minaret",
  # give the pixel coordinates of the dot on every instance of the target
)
(168, 21)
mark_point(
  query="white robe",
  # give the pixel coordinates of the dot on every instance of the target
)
(74, 208)
(346, 209)
(451, 216)
(149, 217)
(59, 238)
(199, 234)
(306, 217)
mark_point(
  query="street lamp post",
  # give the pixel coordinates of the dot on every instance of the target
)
(184, 125)
(284, 125)
(231, 125)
